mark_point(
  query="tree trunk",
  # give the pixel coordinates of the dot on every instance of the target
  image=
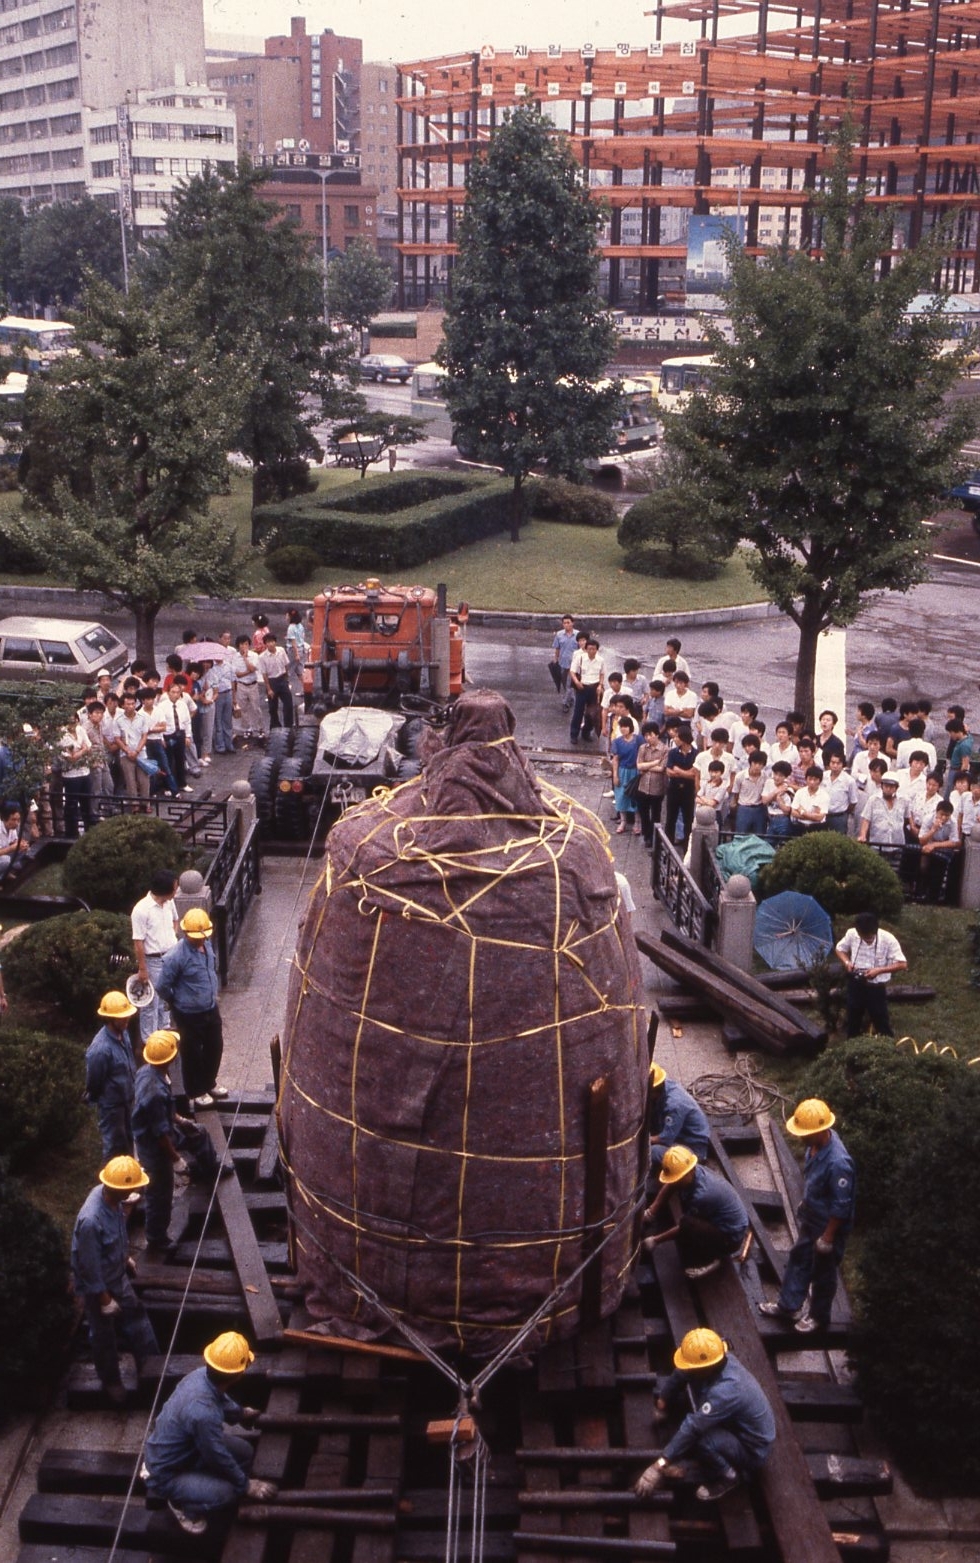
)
(811, 627)
(515, 509)
(146, 619)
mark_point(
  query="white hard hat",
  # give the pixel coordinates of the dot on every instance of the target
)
(139, 992)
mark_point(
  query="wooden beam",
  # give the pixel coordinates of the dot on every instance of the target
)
(263, 1310)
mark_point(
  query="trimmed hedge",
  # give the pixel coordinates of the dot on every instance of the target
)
(71, 961)
(292, 565)
(35, 1302)
(396, 521)
(112, 864)
(555, 499)
(843, 875)
(42, 1076)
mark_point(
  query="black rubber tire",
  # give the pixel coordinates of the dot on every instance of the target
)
(410, 737)
(291, 811)
(263, 776)
(304, 747)
(280, 742)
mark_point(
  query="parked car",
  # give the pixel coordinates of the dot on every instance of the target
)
(966, 496)
(385, 366)
(72, 649)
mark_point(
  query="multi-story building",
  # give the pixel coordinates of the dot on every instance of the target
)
(139, 152)
(329, 79)
(265, 97)
(304, 185)
(379, 150)
(59, 60)
(716, 125)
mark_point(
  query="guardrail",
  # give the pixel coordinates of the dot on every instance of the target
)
(242, 881)
(199, 823)
(673, 885)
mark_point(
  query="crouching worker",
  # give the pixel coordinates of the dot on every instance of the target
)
(727, 1437)
(674, 1118)
(165, 1142)
(713, 1220)
(101, 1271)
(191, 1460)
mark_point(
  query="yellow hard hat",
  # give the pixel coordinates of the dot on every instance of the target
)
(197, 924)
(116, 1006)
(657, 1075)
(230, 1353)
(677, 1163)
(123, 1173)
(161, 1047)
(700, 1349)
(811, 1117)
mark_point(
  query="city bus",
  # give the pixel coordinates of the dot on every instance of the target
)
(635, 427)
(680, 378)
(32, 346)
(12, 392)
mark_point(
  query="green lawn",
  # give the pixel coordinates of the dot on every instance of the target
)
(551, 567)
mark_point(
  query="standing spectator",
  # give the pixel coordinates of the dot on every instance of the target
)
(777, 795)
(587, 676)
(653, 708)
(748, 711)
(674, 1118)
(563, 648)
(680, 699)
(751, 813)
(939, 846)
(155, 752)
(110, 1072)
(217, 682)
(811, 803)
(672, 654)
(681, 786)
(74, 748)
(864, 726)
(189, 984)
(154, 926)
(101, 1270)
(192, 1460)
(100, 733)
(713, 1221)
(783, 748)
(13, 840)
(915, 742)
(274, 667)
(726, 1436)
(869, 955)
(261, 626)
(883, 817)
(959, 751)
(607, 716)
(296, 647)
(887, 720)
(133, 729)
(826, 1216)
(651, 762)
(245, 689)
(174, 714)
(713, 791)
(828, 742)
(634, 685)
(625, 774)
(202, 722)
(842, 794)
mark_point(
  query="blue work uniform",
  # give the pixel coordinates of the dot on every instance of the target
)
(829, 1189)
(678, 1120)
(193, 1462)
(189, 984)
(153, 1122)
(712, 1199)
(110, 1075)
(731, 1428)
(99, 1250)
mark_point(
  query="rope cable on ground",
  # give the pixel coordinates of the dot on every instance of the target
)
(739, 1092)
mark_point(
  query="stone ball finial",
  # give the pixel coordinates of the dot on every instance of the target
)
(739, 887)
(241, 790)
(191, 882)
(705, 815)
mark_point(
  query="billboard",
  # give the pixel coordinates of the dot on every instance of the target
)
(707, 258)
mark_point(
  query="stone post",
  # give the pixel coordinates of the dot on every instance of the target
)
(970, 882)
(241, 806)
(192, 891)
(704, 839)
(736, 922)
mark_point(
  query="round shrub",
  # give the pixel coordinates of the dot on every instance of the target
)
(291, 565)
(669, 532)
(41, 1081)
(843, 875)
(71, 960)
(555, 499)
(35, 1303)
(112, 864)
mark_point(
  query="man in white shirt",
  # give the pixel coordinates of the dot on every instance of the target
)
(680, 699)
(155, 931)
(717, 750)
(810, 803)
(132, 727)
(672, 654)
(274, 667)
(587, 676)
(869, 955)
(173, 714)
(883, 817)
(246, 689)
(913, 744)
(842, 795)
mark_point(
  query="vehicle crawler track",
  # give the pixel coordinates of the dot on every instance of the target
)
(348, 1433)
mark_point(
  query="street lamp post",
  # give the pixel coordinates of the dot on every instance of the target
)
(323, 174)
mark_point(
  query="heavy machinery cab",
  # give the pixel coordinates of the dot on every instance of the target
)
(381, 642)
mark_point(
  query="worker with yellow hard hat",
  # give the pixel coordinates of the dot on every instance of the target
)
(674, 1118)
(166, 1143)
(825, 1218)
(712, 1222)
(727, 1436)
(191, 1459)
(101, 1270)
(110, 1075)
(189, 983)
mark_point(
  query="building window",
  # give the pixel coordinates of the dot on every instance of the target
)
(351, 216)
(147, 165)
(105, 169)
(294, 213)
(100, 135)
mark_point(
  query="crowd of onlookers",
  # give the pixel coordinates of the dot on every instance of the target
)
(151, 731)
(899, 776)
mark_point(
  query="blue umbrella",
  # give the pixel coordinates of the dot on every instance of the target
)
(792, 930)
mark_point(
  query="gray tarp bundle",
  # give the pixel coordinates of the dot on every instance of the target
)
(463, 974)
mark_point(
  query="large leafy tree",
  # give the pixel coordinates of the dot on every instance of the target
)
(526, 336)
(61, 243)
(254, 277)
(127, 443)
(12, 220)
(826, 436)
(359, 285)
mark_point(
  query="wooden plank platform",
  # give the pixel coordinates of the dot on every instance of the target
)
(263, 1310)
